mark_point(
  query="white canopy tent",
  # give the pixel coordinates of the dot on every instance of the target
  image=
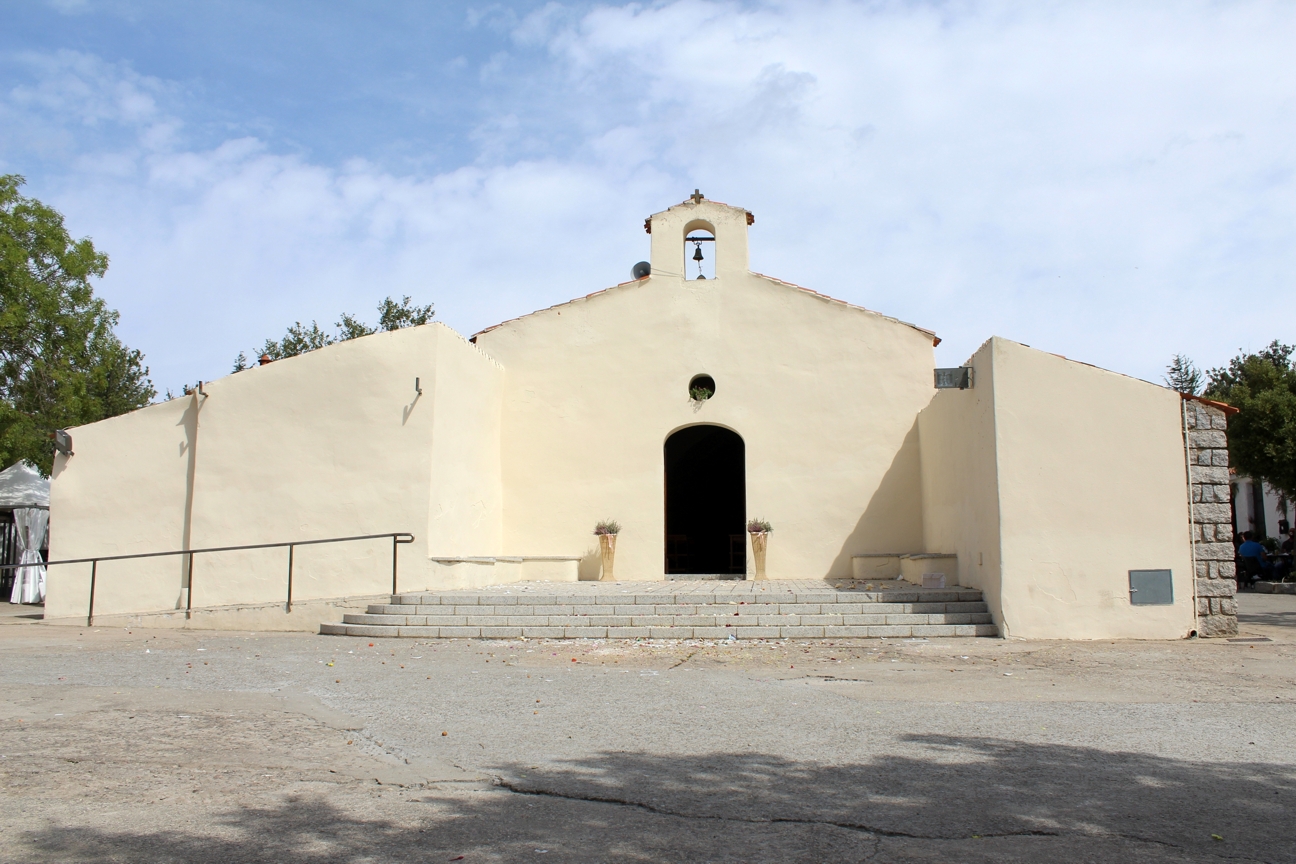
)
(26, 493)
(21, 485)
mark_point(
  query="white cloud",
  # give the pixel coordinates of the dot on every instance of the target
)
(1085, 177)
(1112, 182)
(84, 89)
(69, 7)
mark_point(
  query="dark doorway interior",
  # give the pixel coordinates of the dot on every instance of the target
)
(706, 502)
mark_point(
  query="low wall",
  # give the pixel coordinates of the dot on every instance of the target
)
(914, 567)
(479, 572)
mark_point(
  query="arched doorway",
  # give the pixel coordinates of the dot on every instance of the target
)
(706, 502)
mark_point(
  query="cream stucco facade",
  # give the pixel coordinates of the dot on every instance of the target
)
(1051, 480)
(1048, 479)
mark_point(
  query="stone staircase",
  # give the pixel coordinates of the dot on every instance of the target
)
(802, 609)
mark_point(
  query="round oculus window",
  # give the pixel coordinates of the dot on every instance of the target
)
(701, 388)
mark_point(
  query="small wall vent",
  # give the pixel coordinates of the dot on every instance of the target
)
(1151, 588)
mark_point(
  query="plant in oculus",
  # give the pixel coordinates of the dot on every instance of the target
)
(607, 526)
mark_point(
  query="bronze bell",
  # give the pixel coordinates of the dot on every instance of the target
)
(697, 252)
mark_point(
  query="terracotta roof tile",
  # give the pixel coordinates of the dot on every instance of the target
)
(935, 339)
(1223, 406)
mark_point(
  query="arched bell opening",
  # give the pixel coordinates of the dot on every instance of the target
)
(706, 502)
(699, 250)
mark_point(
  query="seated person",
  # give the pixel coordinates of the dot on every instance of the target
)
(1283, 566)
(1251, 549)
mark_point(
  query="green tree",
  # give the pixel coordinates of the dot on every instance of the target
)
(1262, 435)
(299, 339)
(1184, 376)
(395, 316)
(60, 362)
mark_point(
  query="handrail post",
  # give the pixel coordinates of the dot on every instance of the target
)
(395, 548)
(189, 593)
(94, 566)
(290, 565)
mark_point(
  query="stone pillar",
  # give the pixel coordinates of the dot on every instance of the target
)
(1206, 440)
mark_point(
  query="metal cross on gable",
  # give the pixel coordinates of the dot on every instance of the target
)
(697, 197)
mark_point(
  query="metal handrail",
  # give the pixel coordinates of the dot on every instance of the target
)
(398, 538)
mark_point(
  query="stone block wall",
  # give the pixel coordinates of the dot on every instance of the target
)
(1206, 440)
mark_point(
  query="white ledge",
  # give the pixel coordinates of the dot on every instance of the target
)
(905, 555)
(508, 559)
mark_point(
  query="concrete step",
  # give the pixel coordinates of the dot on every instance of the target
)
(663, 620)
(615, 598)
(660, 632)
(803, 609)
(546, 610)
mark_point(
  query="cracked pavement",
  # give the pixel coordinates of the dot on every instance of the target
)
(193, 746)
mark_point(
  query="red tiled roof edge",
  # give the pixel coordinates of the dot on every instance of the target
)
(1223, 406)
(473, 338)
(923, 330)
(928, 333)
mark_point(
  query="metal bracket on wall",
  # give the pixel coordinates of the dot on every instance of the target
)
(957, 378)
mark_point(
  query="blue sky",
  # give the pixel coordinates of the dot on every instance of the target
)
(396, 83)
(1114, 182)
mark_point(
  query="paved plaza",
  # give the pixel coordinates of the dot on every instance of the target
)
(187, 746)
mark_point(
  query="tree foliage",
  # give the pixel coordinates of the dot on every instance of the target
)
(1183, 376)
(1262, 435)
(300, 338)
(61, 364)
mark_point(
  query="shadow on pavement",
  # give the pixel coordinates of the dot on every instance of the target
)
(21, 613)
(1268, 610)
(963, 799)
(1269, 619)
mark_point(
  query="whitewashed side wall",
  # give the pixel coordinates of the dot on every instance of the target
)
(1092, 484)
(128, 489)
(331, 443)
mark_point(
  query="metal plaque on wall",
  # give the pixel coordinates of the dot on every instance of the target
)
(1151, 588)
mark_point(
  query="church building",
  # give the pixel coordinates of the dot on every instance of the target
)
(680, 407)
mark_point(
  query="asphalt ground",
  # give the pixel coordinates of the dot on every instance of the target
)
(196, 746)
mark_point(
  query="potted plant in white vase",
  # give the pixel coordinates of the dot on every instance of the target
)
(607, 531)
(759, 530)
